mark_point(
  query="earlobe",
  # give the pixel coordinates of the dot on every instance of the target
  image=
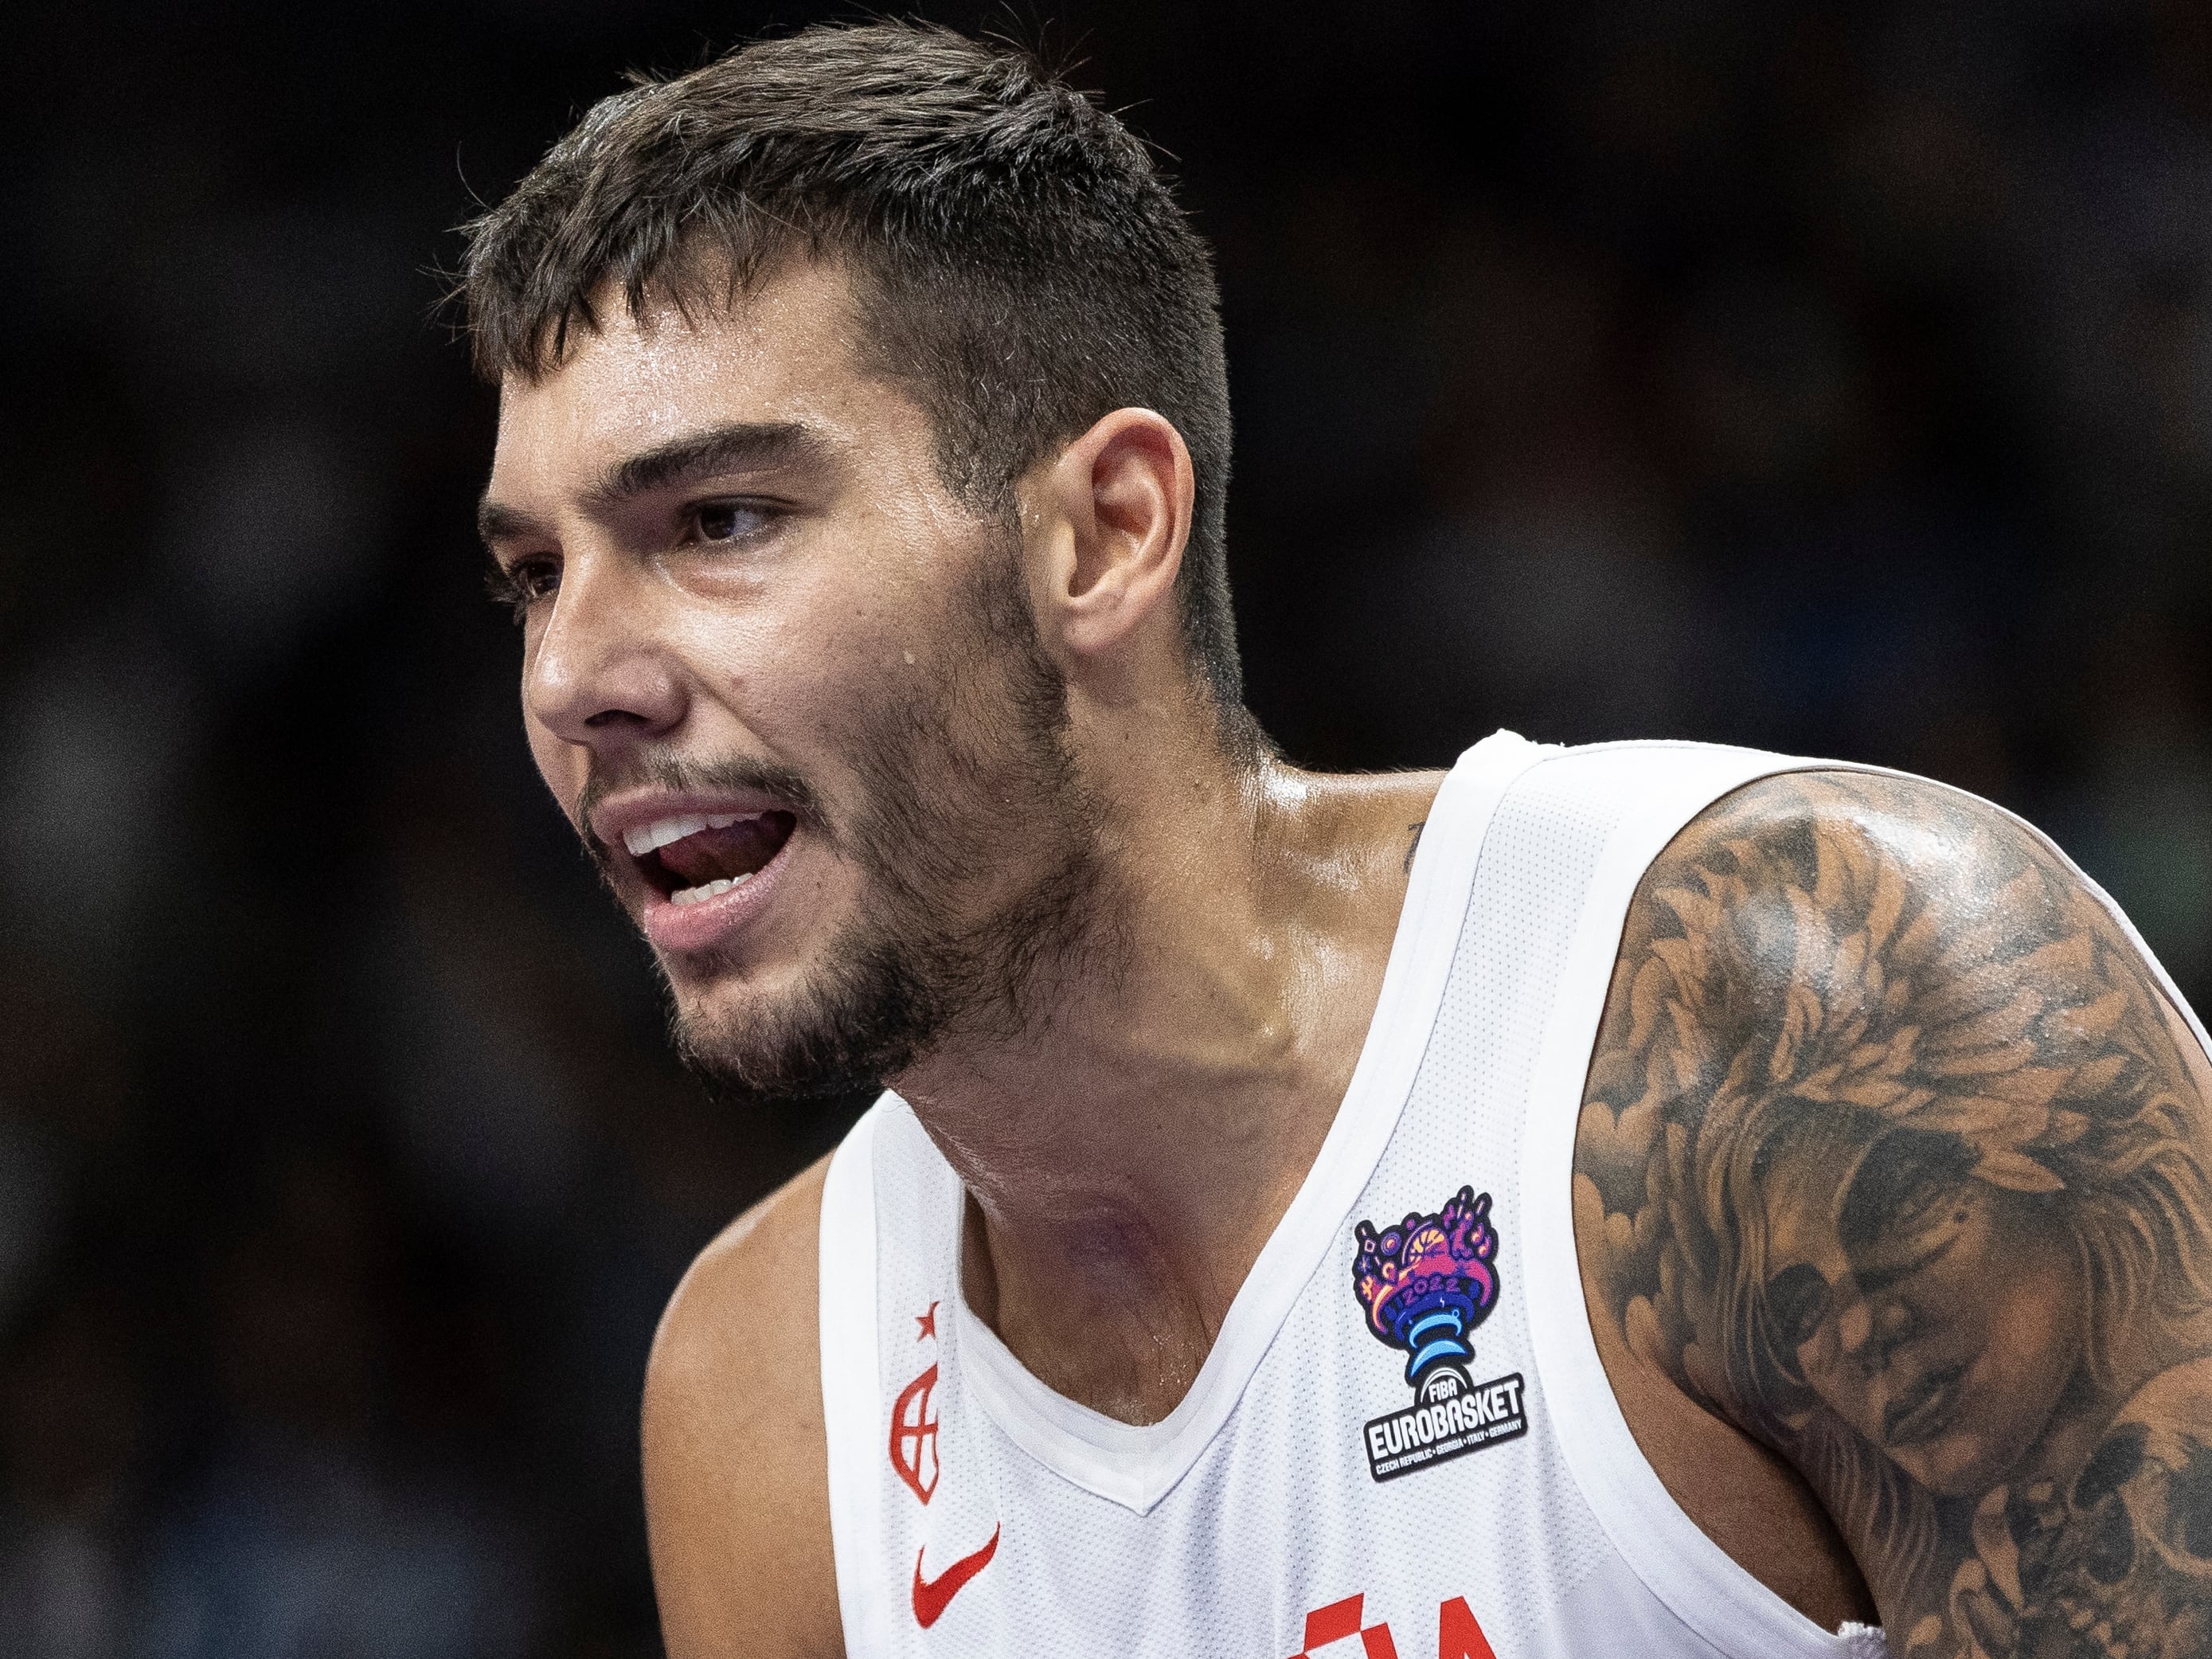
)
(1123, 491)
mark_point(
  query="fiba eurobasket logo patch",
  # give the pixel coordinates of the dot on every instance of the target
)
(1426, 1283)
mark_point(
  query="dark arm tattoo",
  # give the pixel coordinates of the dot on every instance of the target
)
(1895, 1155)
(1413, 842)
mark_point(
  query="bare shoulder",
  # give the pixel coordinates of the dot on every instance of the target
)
(1893, 1157)
(736, 1481)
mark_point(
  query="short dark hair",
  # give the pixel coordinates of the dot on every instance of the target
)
(1022, 265)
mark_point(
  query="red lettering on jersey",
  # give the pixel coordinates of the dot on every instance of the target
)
(931, 1595)
(1341, 1619)
(1333, 1622)
(913, 1436)
(1458, 1633)
(928, 1323)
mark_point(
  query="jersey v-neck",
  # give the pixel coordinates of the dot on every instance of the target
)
(1136, 1465)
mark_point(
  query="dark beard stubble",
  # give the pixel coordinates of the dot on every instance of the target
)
(962, 780)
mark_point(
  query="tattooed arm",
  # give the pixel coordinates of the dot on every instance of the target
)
(1894, 1156)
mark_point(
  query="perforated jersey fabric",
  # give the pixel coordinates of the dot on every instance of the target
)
(1437, 1466)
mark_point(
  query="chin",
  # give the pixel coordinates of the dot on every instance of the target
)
(806, 1032)
(1963, 1463)
(727, 1026)
(1953, 1467)
(709, 990)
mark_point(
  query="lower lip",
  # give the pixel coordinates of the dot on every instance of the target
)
(685, 929)
(1930, 1417)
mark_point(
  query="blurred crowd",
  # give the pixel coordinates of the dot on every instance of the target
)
(1834, 378)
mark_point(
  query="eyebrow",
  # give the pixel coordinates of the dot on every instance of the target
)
(737, 446)
(497, 522)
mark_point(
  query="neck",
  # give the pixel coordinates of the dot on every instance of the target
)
(1126, 1153)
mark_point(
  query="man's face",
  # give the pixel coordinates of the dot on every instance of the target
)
(1937, 1314)
(788, 689)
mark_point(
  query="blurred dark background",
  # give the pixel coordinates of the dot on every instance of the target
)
(1837, 379)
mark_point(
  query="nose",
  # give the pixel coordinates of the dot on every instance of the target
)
(599, 674)
(1870, 1327)
(1855, 1325)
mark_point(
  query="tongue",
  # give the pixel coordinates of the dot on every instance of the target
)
(716, 854)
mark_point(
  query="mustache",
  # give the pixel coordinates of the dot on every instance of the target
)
(663, 769)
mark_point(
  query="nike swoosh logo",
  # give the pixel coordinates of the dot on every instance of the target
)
(931, 1595)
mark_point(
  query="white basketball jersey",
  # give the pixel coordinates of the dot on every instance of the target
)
(1402, 1442)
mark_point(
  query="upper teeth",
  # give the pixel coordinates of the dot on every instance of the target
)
(648, 836)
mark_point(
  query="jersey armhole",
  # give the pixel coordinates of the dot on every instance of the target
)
(851, 1386)
(1703, 1586)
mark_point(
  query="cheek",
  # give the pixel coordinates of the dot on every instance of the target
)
(2032, 1331)
(2024, 1348)
(2015, 1284)
(1975, 1268)
(813, 661)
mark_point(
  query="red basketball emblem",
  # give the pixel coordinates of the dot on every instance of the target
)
(914, 1435)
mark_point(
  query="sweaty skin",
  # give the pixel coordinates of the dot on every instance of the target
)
(1888, 1189)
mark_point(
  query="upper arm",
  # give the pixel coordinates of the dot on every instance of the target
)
(1895, 1155)
(736, 1480)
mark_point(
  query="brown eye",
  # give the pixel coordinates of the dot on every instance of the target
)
(536, 579)
(523, 583)
(729, 522)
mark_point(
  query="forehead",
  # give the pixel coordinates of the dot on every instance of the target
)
(783, 351)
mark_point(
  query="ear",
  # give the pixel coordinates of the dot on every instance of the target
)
(1116, 510)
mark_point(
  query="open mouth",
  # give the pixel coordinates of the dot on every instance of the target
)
(696, 856)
